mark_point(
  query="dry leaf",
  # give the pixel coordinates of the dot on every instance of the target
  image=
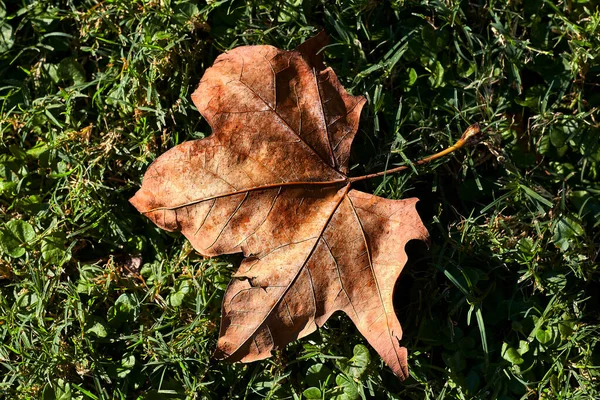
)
(271, 182)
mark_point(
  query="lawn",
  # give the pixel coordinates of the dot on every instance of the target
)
(96, 302)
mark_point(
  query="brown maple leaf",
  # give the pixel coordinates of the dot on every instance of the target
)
(271, 183)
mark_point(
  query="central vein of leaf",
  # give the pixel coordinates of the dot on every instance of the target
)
(308, 257)
(469, 135)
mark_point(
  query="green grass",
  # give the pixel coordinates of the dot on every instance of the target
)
(98, 303)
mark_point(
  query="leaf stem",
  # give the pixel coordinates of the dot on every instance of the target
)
(471, 136)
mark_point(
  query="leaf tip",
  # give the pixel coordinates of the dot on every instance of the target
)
(421, 232)
(402, 370)
(310, 49)
(142, 201)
